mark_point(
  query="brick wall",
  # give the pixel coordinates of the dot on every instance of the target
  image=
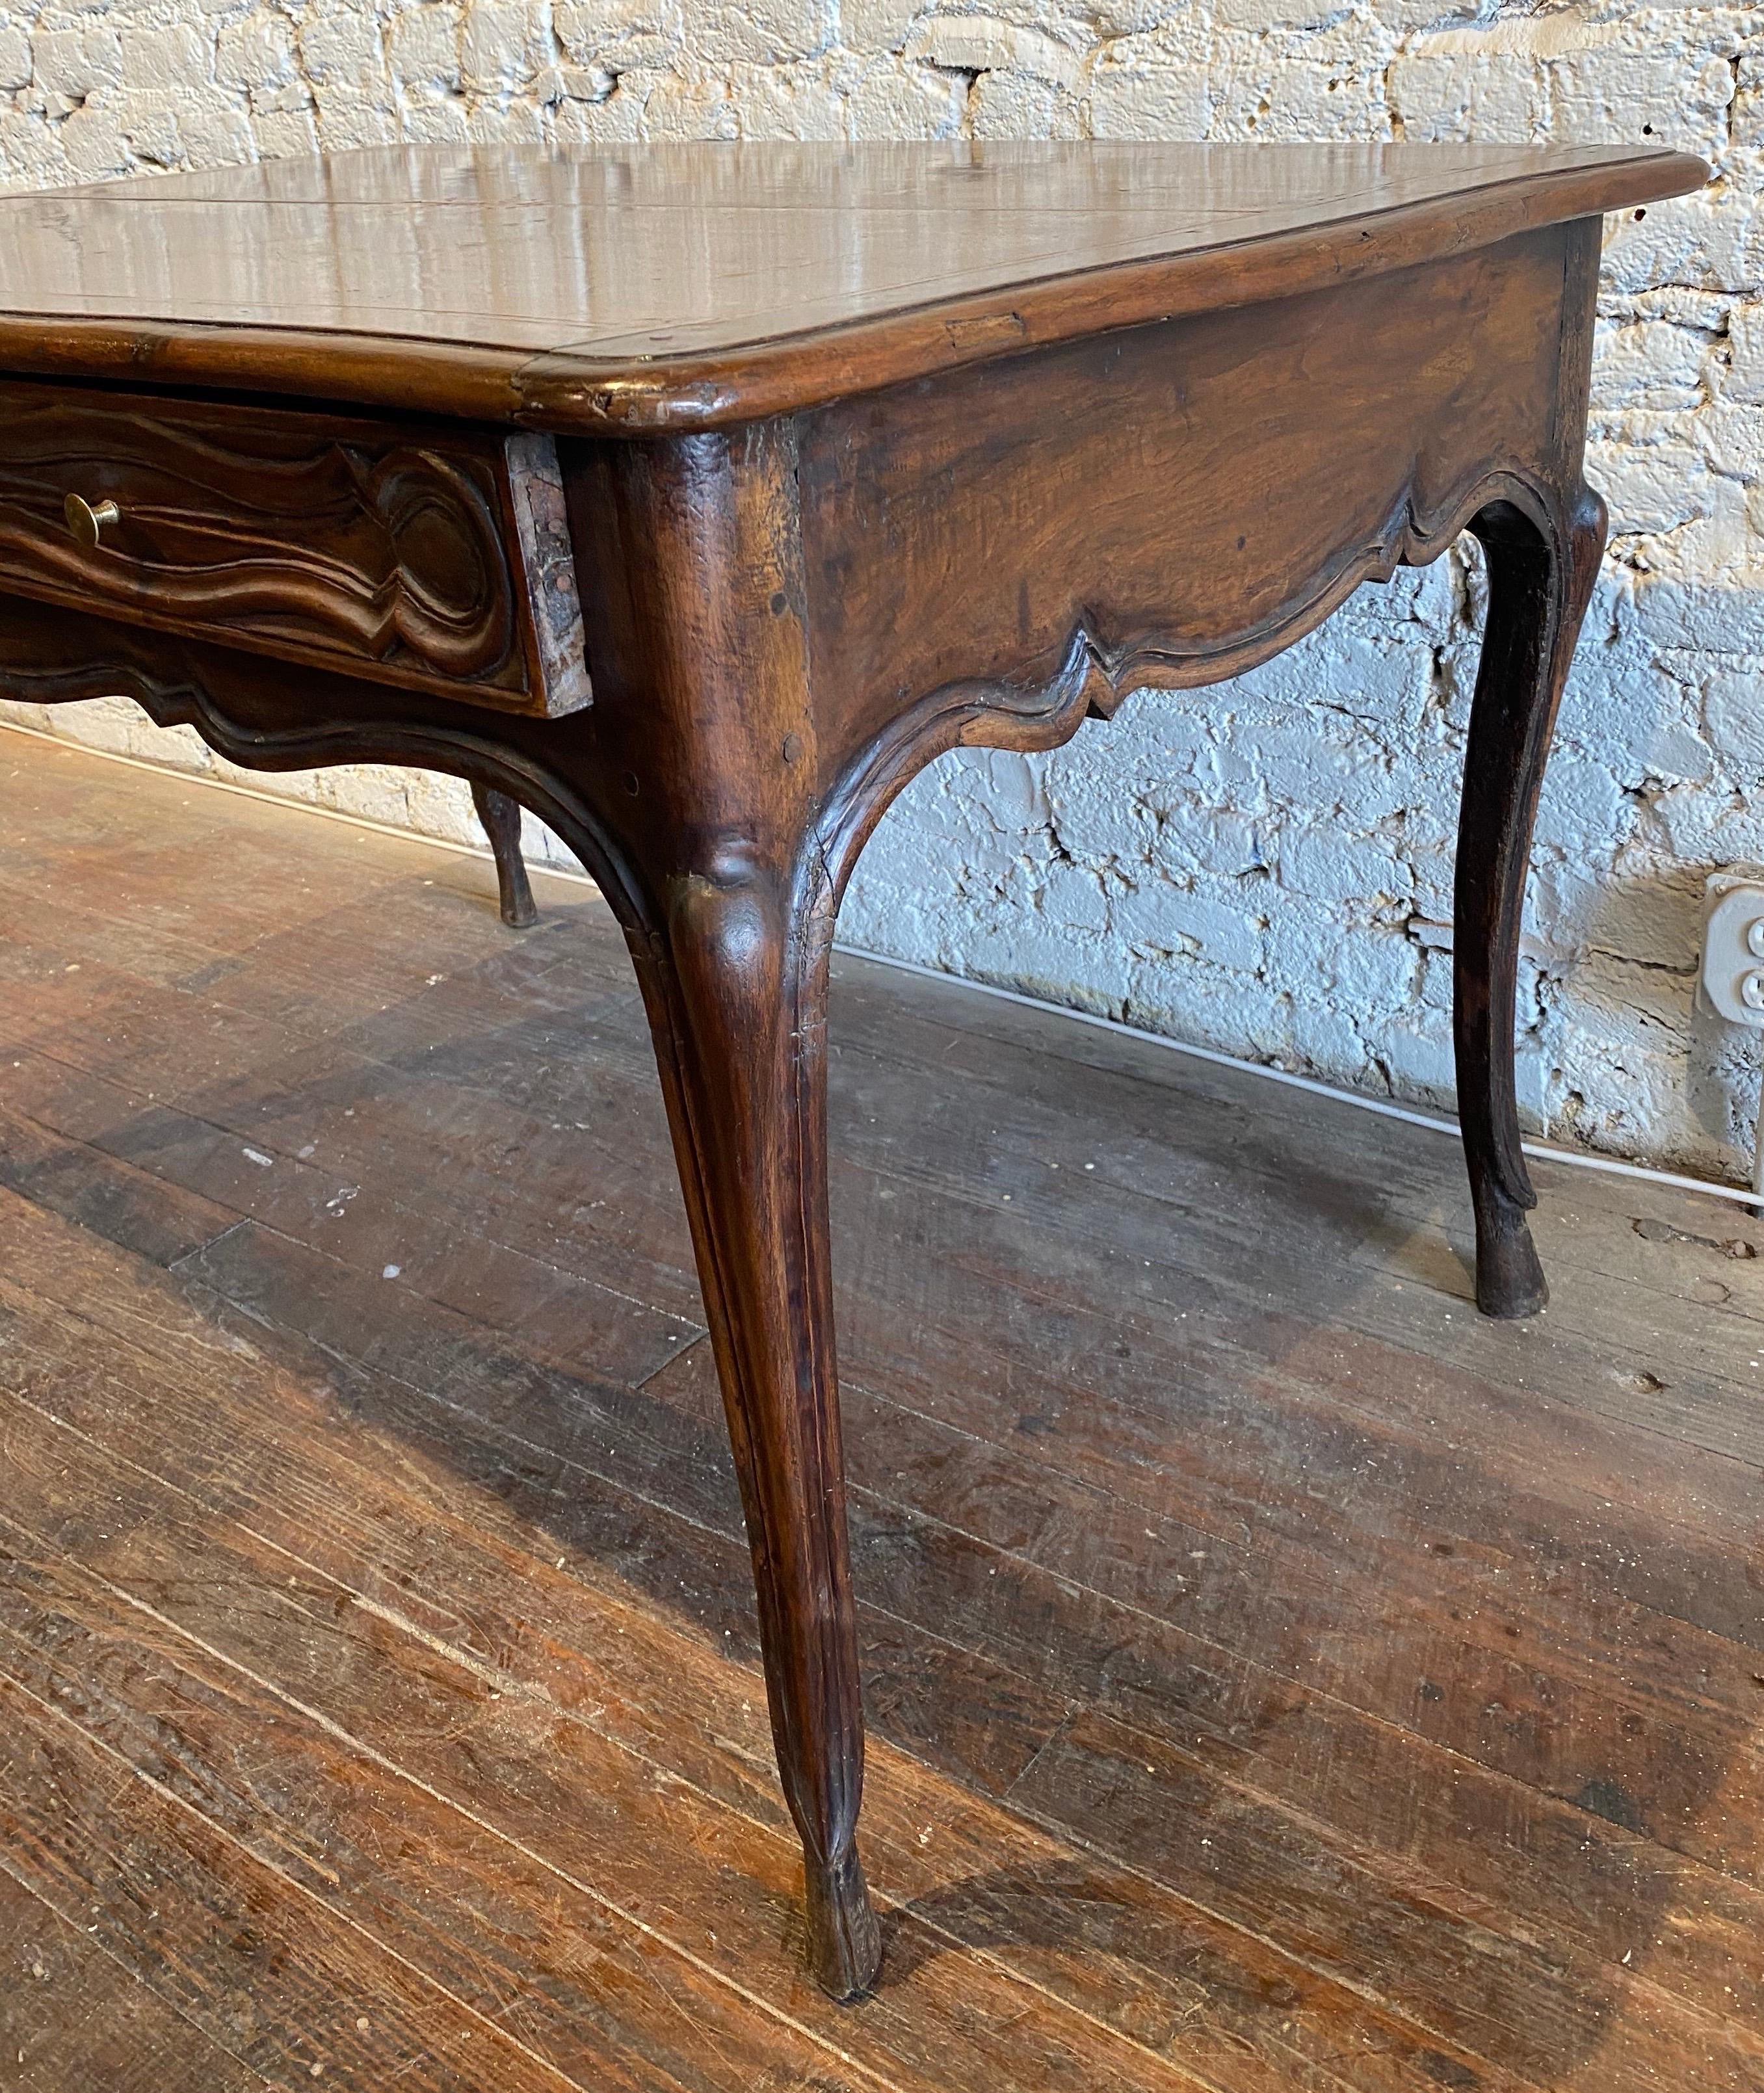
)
(1264, 867)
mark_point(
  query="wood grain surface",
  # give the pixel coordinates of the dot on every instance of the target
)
(1280, 1676)
(695, 285)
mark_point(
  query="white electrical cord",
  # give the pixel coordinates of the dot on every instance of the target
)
(1610, 1165)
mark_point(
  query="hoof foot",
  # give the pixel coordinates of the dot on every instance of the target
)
(844, 1940)
(1510, 1280)
(500, 818)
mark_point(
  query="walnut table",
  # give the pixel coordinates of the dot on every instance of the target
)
(697, 496)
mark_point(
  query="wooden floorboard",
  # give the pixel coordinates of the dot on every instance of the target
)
(1279, 1677)
(75, 2015)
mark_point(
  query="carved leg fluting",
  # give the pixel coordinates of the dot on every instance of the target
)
(501, 816)
(1538, 592)
(737, 994)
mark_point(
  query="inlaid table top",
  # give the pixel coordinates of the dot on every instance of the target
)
(671, 285)
(696, 497)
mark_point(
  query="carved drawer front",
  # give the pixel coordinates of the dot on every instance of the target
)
(432, 556)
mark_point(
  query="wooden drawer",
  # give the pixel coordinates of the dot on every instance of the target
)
(431, 556)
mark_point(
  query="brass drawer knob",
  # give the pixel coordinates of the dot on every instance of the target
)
(87, 522)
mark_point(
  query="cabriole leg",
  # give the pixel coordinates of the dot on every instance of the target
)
(1538, 590)
(736, 989)
(501, 816)
(707, 727)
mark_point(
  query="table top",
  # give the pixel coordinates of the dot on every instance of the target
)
(639, 287)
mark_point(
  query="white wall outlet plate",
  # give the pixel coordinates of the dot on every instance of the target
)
(1731, 983)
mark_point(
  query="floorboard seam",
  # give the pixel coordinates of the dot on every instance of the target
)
(526, 1689)
(220, 1830)
(362, 1749)
(1686, 1862)
(90, 1935)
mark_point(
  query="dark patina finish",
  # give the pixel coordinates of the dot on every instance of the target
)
(696, 497)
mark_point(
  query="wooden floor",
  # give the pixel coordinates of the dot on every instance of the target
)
(1279, 1678)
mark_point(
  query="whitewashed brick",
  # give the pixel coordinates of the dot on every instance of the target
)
(1469, 93)
(1733, 720)
(1018, 105)
(159, 59)
(212, 127)
(1144, 101)
(504, 47)
(897, 100)
(1329, 866)
(799, 100)
(342, 44)
(423, 48)
(257, 54)
(981, 43)
(15, 57)
(758, 33)
(1412, 1058)
(1654, 364)
(632, 34)
(76, 58)
(1160, 916)
(1613, 81)
(281, 133)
